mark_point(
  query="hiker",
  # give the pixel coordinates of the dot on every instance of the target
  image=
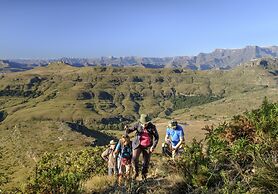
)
(124, 152)
(108, 156)
(145, 142)
(174, 139)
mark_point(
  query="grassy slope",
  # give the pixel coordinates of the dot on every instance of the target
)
(22, 146)
(62, 97)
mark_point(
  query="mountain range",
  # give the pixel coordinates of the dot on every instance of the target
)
(218, 59)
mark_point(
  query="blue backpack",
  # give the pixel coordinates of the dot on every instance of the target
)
(126, 151)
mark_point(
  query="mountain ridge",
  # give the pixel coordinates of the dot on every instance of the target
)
(217, 59)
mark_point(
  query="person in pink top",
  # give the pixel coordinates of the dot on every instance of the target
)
(145, 142)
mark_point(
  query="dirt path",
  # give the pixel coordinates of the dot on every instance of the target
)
(153, 184)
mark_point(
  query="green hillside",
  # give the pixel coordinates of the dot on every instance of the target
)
(99, 96)
(61, 108)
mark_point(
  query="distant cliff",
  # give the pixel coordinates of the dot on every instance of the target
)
(218, 59)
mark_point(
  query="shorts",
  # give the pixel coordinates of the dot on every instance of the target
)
(125, 166)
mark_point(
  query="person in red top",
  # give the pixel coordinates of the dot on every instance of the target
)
(145, 142)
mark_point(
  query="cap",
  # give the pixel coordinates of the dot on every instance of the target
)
(173, 123)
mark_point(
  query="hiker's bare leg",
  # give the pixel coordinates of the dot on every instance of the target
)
(174, 153)
(127, 171)
(121, 173)
(120, 177)
(110, 171)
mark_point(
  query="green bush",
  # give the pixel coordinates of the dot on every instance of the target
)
(181, 102)
(65, 173)
(265, 119)
(3, 115)
(237, 157)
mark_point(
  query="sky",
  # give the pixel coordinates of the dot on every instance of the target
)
(34, 29)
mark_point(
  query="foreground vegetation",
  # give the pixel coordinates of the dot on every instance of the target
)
(65, 173)
(236, 157)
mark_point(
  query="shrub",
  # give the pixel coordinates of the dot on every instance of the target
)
(65, 173)
(3, 115)
(238, 157)
(181, 101)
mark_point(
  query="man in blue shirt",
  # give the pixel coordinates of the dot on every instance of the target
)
(174, 136)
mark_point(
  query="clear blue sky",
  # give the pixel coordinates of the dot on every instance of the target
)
(93, 28)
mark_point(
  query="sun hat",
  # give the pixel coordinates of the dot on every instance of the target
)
(144, 119)
(112, 142)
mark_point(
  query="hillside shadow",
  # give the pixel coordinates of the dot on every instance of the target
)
(101, 139)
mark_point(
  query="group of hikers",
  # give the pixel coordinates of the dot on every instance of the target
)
(123, 156)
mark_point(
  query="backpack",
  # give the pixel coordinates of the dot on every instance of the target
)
(126, 151)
